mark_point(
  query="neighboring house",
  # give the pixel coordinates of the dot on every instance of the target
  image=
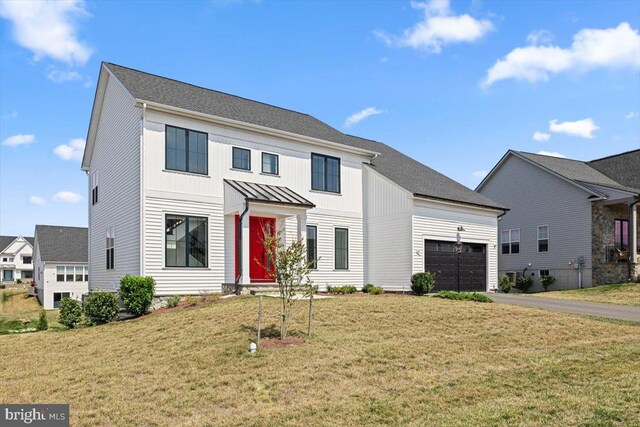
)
(574, 220)
(16, 262)
(183, 180)
(60, 261)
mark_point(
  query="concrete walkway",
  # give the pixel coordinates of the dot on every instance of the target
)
(611, 311)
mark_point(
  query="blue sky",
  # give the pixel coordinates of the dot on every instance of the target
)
(453, 85)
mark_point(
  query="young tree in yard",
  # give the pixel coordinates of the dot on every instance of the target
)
(289, 267)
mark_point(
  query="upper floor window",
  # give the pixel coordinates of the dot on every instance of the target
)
(270, 164)
(241, 158)
(7, 259)
(622, 234)
(186, 150)
(111, 244)
(341, 243)
(325, 173)
(71, 273)
(185, 241)
(510, 240)
(312, 246)
(94, 187)
(543, 238)
(26, 260)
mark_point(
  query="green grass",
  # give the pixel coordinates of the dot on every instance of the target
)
(382, 360)
(463, 296)
(19, 311)
(621, 293)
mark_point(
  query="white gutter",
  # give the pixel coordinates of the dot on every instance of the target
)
(236, 124)
(142, 127)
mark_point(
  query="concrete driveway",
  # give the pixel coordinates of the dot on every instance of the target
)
(611, 311)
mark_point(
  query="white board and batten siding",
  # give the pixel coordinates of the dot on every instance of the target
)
(434, 220)
(116, 158)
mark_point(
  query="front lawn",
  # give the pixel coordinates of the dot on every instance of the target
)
(396, 360)
(621, 293)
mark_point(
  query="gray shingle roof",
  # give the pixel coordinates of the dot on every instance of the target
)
(624, 168)
(404, 171)
(268, 193)
(5, 241)
(62, 244)
(577, 170)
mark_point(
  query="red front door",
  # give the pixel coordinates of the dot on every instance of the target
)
(258, 255)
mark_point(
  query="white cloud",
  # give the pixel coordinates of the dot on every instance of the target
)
(71, 151)
(12, 115)
(438, 27)
(480, 173)
(36, 200)
(631, 115)
(583, 128)
(67, 197)
(538, 37)
(58, 76)
(47, 28)
(617, 47)
(361, 115)
(551, 153)
(15, 140)
(541, 136)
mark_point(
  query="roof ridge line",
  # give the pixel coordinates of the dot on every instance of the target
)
(614, 155)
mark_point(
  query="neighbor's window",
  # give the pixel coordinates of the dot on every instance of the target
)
(510, 240)
(325, 173)
(312, 246)
(186, 150)
(94, 187)
(111, 243)
(543, 238)
(59, 296)
(26, 260)
(622, 234)
(27, 274)
(544, 273)
(185, 241)
(79, 273)
(70, 273)
(241, 158)
(270, 163)
(60, 273)
(86, 274)
(341, 248)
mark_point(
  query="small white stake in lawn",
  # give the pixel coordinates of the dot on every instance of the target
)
(252, 347)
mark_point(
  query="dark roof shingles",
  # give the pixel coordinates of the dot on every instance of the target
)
(623, 168)
(62, 244)
(5, 241)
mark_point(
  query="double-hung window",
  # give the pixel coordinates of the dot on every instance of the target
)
(186, 150)
(621, 234)
(185, 241)
(543, 238)
(510, 241)
(325, 173)
(60, 273)
(110, 246)
(241, 158)
(341, 243)
(312, 246)
(94, 187)
(270, 163)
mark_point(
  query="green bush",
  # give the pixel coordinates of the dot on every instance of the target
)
(19, 281)
(505, 284)
(101, 307)
(372, 289)
(173, 301)
(524, 283)
(347, 289)
(463, 296)
(137, 293)
(423, 283)
(43, 322)
(547, 281)
(70, 312)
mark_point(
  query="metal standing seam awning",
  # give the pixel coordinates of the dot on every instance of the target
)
(270, 194)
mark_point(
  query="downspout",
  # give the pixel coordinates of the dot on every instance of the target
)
(88, 234)
(635, 250)
(142, 127)
(239, 246)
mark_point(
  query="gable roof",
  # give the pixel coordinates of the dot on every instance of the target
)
(408, 173)
(580, 173)
(62, 244)
(623, 168)
(6, 241)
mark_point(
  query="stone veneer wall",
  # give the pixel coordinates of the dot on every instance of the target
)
(602, 235)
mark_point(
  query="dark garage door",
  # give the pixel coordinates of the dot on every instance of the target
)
(440, 258)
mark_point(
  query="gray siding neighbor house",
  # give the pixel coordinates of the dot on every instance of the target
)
(574, 220)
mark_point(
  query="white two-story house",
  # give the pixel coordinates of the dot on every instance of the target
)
(183, 180)
(16, 262)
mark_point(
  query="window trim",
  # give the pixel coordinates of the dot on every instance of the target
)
(544, 269)
(327, 157)
(548, 239)
(334, 249)
(621, 221)
(164, 246)
(166, 141)
(277, 172)
(64, 277)
(511, 230)
(110, 250)
(313, 266)
(233, 166)
(94, 187)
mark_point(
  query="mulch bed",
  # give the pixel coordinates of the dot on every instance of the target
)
(277, 343)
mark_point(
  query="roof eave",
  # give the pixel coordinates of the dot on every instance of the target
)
(252, 127)
(458, 202)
